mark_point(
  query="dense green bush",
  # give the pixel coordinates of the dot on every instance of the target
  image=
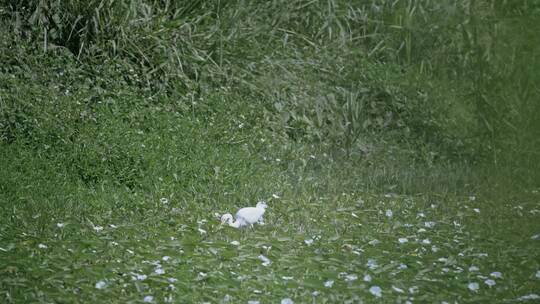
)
(435, 76)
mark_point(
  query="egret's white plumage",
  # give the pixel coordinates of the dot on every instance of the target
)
(228, 218)
(246, 216)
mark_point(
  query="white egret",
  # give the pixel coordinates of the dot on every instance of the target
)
(228, 218)
(246, 216)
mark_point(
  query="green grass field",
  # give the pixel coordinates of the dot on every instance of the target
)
(395, 142)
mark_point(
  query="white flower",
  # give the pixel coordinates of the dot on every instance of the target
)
(159, 270)
(166, 258)
(315, 293)
(476, 210)
(473, 286)
(235, 243)
(473, 268)
(308, 241)
(101, 285)
(389, 213)
(496, 274)
(374, 242)
(413, 289)
(376, 291)
(534, 237)
(531, 296)
(42, 246)
(421, 214)
(426, 242)
(489, 282)
(351, 277)
(372, 264)
(172, 280)
(98, 228)
(164, 200)
(266, 261)
(60, 225)
(472, 198)
(434, 248)
(403, 240)
(402, 266)
(429, 224)
(138, 277)
(148, 299)
(367, 278)
(287, 301)
(329, 283)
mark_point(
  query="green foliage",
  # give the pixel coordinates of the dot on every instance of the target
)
(323, 70)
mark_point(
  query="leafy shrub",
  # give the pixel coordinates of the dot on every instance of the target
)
(432, 75)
